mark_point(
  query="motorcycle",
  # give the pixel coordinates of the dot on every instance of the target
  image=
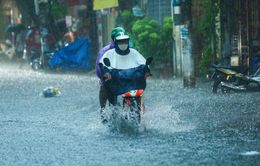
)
(37, 48)
(227, 79)
(127, 113)
(39, 60)
(7, 49)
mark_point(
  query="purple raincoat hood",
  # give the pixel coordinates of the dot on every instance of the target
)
(111, 45)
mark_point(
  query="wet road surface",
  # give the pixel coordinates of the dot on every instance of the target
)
(183, 126)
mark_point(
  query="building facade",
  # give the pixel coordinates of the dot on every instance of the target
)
(158, 9)
(240, 30)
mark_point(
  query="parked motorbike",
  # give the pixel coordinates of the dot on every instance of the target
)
(131, 107)
(227, 79)
(38, 48)
(7, 49)
(39, 60)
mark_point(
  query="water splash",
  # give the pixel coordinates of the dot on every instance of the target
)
(165, 119)
(250, 153)
(120, 121)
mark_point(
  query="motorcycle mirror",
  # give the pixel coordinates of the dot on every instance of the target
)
(107, 62)
(149, 60)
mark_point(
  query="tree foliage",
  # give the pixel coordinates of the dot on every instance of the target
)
(167, 38)
(151, 38)
(146, 36)
(208, 29)
(128, 19)
(2, 21)
(57, 9)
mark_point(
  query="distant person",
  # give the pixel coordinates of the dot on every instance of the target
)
(20, 44)
(69, 37)
(33, 41)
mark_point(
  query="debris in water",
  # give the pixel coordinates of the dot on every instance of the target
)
(51, 92)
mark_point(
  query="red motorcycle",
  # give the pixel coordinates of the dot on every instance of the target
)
(128, 111)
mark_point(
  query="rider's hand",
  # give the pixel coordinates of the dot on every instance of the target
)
(107, 76)
(146, 75)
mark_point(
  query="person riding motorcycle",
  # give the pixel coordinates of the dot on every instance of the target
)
(121, 57)
(102, 92)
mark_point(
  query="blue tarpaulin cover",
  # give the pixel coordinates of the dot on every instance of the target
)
(72, 57)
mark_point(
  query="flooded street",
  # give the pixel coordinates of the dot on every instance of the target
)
(183, 126)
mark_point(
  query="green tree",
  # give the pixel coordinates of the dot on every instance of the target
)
(152, 39)
(146, 36)
(128, 19)
(167, 39)
(2, 22)
(57, 9)
(208, 28)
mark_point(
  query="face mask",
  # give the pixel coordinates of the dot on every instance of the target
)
(123, 47)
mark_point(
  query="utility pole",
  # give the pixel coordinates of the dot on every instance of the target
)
(177, 17)
(187, 58)
(36, 6)
(183, 57)
(12, 21)
(189, 80)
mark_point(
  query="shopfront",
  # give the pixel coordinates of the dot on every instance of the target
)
(240, 28)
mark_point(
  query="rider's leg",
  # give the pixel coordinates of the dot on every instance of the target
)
(102, 102)
(102, 97)
(112, 99)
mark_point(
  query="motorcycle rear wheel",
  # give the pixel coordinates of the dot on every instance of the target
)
(216, 86)
(36, 66)
(225, 90)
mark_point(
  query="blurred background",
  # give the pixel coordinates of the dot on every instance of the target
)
(183, 36)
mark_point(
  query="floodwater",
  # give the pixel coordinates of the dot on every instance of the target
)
(183, 126)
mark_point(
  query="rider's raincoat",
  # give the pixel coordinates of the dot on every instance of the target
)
(110, 46)
(128, 71)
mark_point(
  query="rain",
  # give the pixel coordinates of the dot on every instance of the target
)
(182, 126)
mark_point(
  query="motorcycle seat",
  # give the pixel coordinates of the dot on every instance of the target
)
(239, 69)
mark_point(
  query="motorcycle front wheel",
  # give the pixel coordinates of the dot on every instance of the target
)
(134, 109)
